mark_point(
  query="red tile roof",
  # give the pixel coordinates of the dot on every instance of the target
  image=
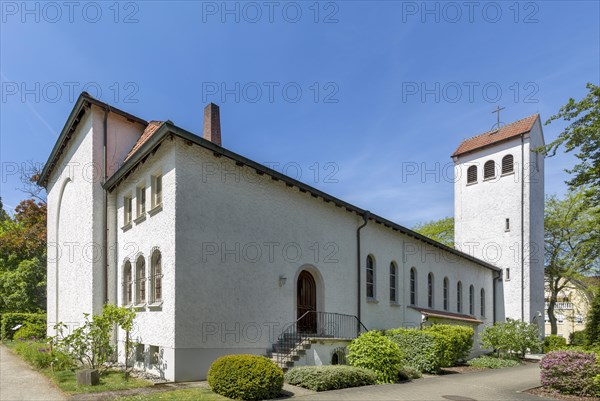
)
(148, 132)
(504, 133)
(446, 315)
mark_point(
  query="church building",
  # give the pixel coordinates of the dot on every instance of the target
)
(219, 254)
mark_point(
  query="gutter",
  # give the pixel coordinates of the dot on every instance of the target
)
(105, 215)
(522, 227)
(496, 279)
(365, 217)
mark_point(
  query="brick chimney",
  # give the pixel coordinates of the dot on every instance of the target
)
(212, 124)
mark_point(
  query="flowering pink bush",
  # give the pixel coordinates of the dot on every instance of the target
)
(571, 372)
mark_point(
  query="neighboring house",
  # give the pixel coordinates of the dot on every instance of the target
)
(572, 307)
(219, 254)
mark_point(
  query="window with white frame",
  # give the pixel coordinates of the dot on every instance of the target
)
(472, 175)
(156, 271)
(446, 293)
(140, 200)
(370, 277)
(430, 300)
(507, 164)
(471, 300)
(482, 302)
(140, 280)
(156, 190)
(459, 307)
(413, 286)
(489, 170)
(127, 284)
(393, 282)
(128, 206)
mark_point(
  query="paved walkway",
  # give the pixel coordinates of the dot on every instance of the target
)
(488, 385)
(19, 382)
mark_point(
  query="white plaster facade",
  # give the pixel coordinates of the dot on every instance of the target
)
(500, 219)
(234, 237)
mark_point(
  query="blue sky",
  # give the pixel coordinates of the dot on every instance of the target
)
(364, 92)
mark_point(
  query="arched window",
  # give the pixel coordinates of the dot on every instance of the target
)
(471, 300)
(140, 280)
(507, 164)
(482, 302)
(393, 282)
(370, 277)
(127, 284)
(413, 286)
(489, 170)
(472, 174)
(446, 293)
(430, 290)
(459, 297)
(156, 272)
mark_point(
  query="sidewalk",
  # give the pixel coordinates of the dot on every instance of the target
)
(19, 382)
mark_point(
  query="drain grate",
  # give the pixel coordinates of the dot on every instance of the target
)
(457, 398)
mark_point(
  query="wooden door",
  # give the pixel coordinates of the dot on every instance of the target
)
(307, 302)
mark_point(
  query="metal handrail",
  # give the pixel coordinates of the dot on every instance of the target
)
(313, 324)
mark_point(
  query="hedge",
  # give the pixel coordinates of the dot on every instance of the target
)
(11, 320)
(577, 338)
(423, 350)
(245, 377)
(458, 342)
(554, 343)
(571, 372)
(333, 377)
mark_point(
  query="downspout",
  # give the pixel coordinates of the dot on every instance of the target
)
(105, 216)
(497, 278)
(358, 284)
(522, 228)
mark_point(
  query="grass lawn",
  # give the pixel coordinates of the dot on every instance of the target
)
(192, 394)
(67, 381)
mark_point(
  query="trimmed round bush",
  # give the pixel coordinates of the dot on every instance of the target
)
(458, 342)
(372, 350)
(554, 343)
(570, 372)
(333, 377)
(423, 350)
(245, 377)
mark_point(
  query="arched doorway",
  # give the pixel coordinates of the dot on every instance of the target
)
(306, 301)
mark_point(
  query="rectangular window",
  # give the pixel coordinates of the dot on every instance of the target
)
(139, 353)
(154, 352)
(370, 278)
(156, 190)
(141, 201)
(560, 318)
(507, 225)
(507, 275)
(413, 286)
(127, 201)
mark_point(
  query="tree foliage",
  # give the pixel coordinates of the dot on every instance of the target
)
(23, 258)
(513, 338)
(439, 230)
(583, 136)
(592, 325)
(571, 244)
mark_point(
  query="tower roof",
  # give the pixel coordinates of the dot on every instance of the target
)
(489, 138)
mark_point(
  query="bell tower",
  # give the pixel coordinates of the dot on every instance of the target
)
(499, 210)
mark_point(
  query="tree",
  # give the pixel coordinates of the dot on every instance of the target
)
(571, 244)
(583, 135)
(592, 324)
(439, 230)
(3, 215)
(513, 338)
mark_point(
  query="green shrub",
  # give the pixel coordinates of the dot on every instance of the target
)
(513, 338)
(554, 343)
(42, 356)
(423, 350)
(245, 377)
(12, 320)
(374, 351)
(492, 362)
(592, 321)
(30, 331)
(577, 338)
(323, 378)
(458, 342)
(409, 373)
